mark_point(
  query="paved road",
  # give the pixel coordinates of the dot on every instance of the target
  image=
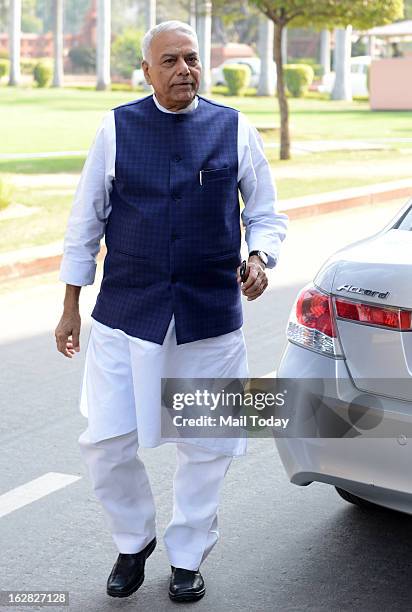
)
(282, 547)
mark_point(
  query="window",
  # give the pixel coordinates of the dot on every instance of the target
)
(405, 222)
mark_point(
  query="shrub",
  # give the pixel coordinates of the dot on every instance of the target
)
(4, 67)
(6, 194)
(298, 78)
(126, 52)
(83, 59)
(317, 68)
(4, 54)
(237, 77)
(42, 74)
(27, 64)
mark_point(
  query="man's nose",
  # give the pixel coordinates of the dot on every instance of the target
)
(182, 67)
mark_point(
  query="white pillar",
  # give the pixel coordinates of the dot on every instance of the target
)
(58, 43)
(14, 41)
(192, 13)
(267, 71)
(324, 52)
(150, 14)
(204, 32)
(342, 89)
(103, 44)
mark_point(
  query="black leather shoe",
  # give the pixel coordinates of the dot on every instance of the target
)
(186, 585)
(127, 574)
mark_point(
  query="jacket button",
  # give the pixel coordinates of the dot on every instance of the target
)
(177, 198)
(178, 158)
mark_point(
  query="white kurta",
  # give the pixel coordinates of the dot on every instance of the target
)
(121, 388)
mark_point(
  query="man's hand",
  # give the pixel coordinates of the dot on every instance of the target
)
(256, 279)
(67, 332)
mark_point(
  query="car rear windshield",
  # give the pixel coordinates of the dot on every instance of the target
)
(405, 222)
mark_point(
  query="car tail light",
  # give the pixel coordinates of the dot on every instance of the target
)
(391, 318)
(312, 323)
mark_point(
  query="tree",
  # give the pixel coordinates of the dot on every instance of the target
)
(30, 22)
(74, 15)
(408, 9)
(362, 14)
(58, 43)
(127, 52)
(4, 5)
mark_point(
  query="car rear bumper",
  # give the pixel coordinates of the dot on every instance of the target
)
(377, 469)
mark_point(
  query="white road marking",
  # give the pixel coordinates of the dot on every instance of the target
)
(34, 490)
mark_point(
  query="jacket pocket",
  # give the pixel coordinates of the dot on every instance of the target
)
(132, 255)
(218, 174)
(219, 256)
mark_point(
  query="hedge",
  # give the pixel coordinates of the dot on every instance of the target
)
(298, 78)
(237, 77)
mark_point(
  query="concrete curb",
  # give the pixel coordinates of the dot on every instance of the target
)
(40, 260)
(308, 206)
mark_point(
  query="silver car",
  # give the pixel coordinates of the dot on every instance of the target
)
(349, 351)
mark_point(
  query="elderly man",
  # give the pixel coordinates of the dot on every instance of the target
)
(161, 183)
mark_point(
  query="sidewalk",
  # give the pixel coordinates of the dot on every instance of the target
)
(42, 259)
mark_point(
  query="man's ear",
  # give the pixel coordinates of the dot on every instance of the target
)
(145, 68)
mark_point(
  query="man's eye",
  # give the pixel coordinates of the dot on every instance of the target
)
(169, 61)
(192, 60)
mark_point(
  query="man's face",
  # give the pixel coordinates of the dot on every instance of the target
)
(173, 69)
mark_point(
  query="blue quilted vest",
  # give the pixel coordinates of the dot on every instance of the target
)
(173, 234)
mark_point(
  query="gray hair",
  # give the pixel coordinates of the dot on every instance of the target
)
(174, 25)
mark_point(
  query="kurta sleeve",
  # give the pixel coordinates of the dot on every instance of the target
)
(265, 226)
(90, 209)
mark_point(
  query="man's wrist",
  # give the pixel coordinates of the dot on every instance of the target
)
(71, 298)
(259, 257)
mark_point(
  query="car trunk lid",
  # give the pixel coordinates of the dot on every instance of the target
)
(375, 276)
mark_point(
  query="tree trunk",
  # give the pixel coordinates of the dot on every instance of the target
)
(282, 100)
(103, 44)
(14, 41)
(342, 89)
(204, 29)
(267, 77)
(58, 43)
(324, 52)
(150, 14)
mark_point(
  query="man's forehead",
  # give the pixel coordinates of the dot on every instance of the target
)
(174, 43)
(175, 50)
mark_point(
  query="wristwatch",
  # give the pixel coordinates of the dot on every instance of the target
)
(261, 254)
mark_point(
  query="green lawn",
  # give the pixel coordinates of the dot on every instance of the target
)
(36, 120)
(40, 120)
(45, 225)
